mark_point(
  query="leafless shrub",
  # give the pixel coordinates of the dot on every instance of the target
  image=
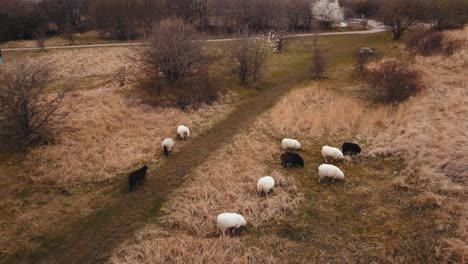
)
(425, 42)
(27, 111)
(41, 38)
(172, 51)
(364, 23)
(121, 76)
(318, 60)
(394, 81)
(250, 54)
(363, 55)
(68, 33)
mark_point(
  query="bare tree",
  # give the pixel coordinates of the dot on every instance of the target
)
(318, 60)
(399, 15)
(27, 110)
(41, 38)
(68, 32)
(250, 54)
(173, 51)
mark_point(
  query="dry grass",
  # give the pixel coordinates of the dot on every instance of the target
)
(226, 182)
(106, 134)
(314, 112)
(174, 247)
(86, 38)
(386, 211)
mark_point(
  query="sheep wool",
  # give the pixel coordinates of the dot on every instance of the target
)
(167, 145)
(289, 143)
(229, 220)
(330, 171)
(183, 132)
(331, 152)
(265, 184)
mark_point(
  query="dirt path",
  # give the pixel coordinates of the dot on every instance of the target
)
(92, 239)
(376, 28)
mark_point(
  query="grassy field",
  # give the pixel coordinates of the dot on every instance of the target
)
(384, 212)
(76, 187)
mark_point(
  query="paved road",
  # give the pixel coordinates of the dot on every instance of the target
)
(370, 31)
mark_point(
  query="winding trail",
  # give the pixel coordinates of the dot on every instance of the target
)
(373, 30)
(92, 239)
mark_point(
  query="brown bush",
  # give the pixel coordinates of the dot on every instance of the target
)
(425, 42)
(394, 81)
(196, 92)
(172, 52)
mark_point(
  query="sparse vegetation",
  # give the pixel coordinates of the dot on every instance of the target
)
(403, 199)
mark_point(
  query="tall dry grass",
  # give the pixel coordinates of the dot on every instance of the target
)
(226, 182)
(175, 247)
(428, 132)
(106, 134)
(315, 113)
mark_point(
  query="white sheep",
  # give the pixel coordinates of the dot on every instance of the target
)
(167, 146)
(289, 143)
(330, 171)
(331, 152)
(183, 132)
(227, 221)
(265, 184)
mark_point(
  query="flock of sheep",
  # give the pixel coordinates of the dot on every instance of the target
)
(231, 222)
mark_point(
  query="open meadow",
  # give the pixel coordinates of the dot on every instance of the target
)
(403, 199)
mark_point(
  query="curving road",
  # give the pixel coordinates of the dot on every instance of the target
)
(376, 28)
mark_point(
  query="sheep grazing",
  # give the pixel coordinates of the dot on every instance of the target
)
(330, 171)
(230, 222)
(137, 177)
(352, 148)
(290, 144)
(265, 185)
(291, 158)
(167, 146)
(331, 152)
(183, 132)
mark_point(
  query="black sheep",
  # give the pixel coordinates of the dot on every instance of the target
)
(353, 148)
(137, 177)
(291, 158)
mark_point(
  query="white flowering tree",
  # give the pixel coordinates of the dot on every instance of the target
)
(327, 11)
